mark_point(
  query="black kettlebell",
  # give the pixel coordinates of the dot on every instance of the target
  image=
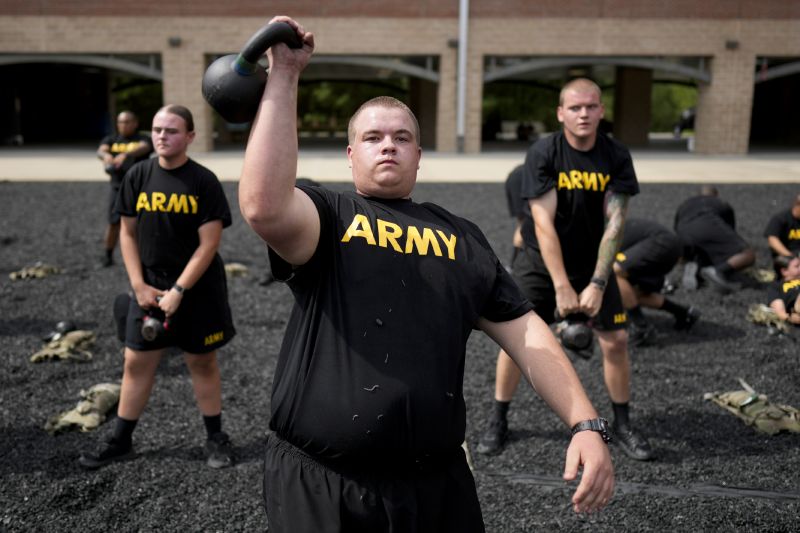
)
(574, 331)
(234, 84)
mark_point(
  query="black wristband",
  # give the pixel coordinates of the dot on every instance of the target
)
(600, 282)
(178, 288)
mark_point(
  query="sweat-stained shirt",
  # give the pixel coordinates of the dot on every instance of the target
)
(372, 361)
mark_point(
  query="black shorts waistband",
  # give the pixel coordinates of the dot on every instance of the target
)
(388, 466)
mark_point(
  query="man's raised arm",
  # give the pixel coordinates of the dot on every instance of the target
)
(282, 215)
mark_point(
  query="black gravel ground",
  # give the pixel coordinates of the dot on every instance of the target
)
(712, 473)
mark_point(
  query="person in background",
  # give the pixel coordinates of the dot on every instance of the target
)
(649, 252)
(783, 293)
(173, 211)
(118, 153)
(783, 231)
(578, 182)
(517, 208)
(707, 226)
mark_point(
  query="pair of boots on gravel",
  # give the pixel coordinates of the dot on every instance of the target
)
(632, 443)
(119, 447)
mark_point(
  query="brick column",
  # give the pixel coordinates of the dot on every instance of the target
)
(446, 102)
(183, 72)
(474, 114)
(722, 124)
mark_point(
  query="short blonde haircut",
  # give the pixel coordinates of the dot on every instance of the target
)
(579, 84)
(381, 101)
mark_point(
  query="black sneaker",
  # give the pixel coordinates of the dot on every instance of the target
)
(633, 444)
(112, 451)
(641, 334)
(688, 320)
(494, 438)
(720, 282)
(219, 451)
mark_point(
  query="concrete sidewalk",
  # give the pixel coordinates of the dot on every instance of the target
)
(34, 164)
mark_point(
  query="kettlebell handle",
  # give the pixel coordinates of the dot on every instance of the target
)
(278, 32)
(233, 84)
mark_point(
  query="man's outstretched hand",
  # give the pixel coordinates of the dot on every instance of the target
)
(587, 450)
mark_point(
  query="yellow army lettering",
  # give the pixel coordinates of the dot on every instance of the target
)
(391, 234)
(124, 148)
(178, 203)
(214, 338)
(588, 181)
(794, 234)
(620, 318)
(789, 285)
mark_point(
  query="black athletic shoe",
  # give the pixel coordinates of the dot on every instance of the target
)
(494, 438)
(688, 320)
(219, 451)
(720, 282)
(633, 444)
(112, 451)
(641, 334)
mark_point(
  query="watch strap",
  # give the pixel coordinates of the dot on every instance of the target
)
(600, 282)
(600, 425)
(178, 288)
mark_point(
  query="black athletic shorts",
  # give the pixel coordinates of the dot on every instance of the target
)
(202, 323)
(113, 215)
(538, 287)
(712, 240)
(303, 495)
(649, 260)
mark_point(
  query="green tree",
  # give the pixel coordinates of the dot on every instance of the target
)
(668, 100)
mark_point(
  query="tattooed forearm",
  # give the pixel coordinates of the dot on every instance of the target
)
(612, 236)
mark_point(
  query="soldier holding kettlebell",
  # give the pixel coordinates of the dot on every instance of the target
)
(578, 182)
(173, 211)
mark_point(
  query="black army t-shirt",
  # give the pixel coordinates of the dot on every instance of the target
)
(119, 144)
(582, 181)
(640, 229)
(787, 291)
(704, 210)
(170, 206)
(517, 205)
(372, 362)
(787, 228)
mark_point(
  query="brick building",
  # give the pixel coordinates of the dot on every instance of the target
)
(725, 47)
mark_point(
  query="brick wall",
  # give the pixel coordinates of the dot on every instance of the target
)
(729, 95)
(660, 9)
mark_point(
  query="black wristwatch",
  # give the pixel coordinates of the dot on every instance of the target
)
(178, 288)
(599, 282)
(599, 425)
